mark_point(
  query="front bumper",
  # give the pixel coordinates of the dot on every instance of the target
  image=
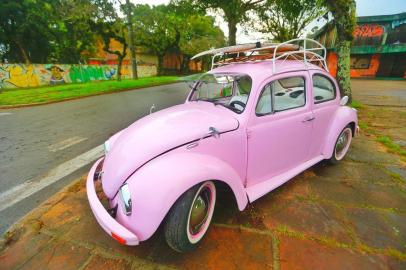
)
(107, 222)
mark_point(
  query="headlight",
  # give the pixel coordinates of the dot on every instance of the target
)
(125, 197)
(106, 147)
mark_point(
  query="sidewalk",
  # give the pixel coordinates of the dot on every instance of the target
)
(348, 216)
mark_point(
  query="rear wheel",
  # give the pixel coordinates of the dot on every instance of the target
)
(190, 217)
(342, 145)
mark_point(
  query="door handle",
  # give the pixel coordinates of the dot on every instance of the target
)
(308, 119)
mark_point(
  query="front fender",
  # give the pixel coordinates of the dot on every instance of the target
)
(156, 186)
(343, 116)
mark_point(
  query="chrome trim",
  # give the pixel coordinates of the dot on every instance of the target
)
(125, 197)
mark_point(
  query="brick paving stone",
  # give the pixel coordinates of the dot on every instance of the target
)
(308, 255)
(359, 194)
(88, 231)
(19, 251)
(313, 219)
(59, 256)
(226, 248)
(364, 150)
(379, 230)
(98, 262)
(66, 212)
(353, 172)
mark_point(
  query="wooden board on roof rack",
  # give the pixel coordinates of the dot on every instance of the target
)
(250, 47)
(229, 49)
(309, 51)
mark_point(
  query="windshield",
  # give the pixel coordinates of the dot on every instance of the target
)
(228, 90)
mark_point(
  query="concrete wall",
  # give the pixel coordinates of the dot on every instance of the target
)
(21, 75)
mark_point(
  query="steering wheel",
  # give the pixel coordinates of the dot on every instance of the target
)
(237, 102)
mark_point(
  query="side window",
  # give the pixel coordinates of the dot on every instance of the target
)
(264, 105)
(283, 94)
(323, 89)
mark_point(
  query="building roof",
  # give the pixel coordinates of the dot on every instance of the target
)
(381, 18)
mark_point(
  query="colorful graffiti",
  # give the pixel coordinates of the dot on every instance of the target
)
(21, 75)
(369, 30)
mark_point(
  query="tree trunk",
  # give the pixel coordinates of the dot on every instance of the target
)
(345, 22)
(232, 32)
(160, 64)
(343, 68)
(120, 63)
(23, 53)
(185, 64)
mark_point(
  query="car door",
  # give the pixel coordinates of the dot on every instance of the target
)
(325, 101)
(280, 128)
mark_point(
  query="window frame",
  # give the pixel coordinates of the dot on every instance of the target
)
(195, 86)
(332, 83)
(273, 100)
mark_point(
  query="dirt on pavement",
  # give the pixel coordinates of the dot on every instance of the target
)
(348, 216)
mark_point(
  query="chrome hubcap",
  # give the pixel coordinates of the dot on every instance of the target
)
(342, 143)
(200, 211)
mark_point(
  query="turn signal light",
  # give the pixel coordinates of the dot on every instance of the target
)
(118, 238)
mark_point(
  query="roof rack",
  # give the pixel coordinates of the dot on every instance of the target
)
(300, 49)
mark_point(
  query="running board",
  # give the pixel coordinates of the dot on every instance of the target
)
(260, 189)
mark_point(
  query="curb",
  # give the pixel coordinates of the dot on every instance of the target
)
(5, 107)
(12, 235)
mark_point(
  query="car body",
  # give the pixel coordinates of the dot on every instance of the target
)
(155, 161)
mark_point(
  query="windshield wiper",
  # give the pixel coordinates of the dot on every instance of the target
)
(206, 99)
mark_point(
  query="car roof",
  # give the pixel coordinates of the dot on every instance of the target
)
(261, 70)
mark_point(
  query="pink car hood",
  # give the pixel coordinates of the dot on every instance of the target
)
(157, 133)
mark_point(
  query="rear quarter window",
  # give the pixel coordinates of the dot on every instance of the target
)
(323, 89)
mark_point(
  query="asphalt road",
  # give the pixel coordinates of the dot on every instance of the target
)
(35, 140)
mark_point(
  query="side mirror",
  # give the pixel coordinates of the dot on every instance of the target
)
(344, 101)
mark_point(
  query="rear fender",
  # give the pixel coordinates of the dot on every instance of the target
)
(156, 186)
(343, 116)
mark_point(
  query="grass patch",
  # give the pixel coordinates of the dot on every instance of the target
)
(13, 97)
(356, 104)
(391, 145)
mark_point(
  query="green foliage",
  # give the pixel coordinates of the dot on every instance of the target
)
(356, 104)
(234, 11)
(24, 29)
(14, 97)
(285, 20)
(391, 145)
(174, 28)
(42, 31)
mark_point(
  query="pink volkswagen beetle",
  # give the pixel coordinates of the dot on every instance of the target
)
(251, 123)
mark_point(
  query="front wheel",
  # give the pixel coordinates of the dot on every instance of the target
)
(190, 217)
(342, 144)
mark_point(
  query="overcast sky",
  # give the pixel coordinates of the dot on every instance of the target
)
(364, 8)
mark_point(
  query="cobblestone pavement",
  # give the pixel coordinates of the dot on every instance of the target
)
(348, 216)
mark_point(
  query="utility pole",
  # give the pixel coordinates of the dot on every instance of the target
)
(133, 59)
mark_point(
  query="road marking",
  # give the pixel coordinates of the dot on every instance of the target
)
(5, 113)
(65, 143)
(20, 192)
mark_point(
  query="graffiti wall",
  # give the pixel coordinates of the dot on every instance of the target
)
(21, 75)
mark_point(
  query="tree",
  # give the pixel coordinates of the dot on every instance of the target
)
(199, 34)
(109, 26)
(235, 12)
(285, 20)
(344, 19)
(25, 31)
(174, 28)
(113, 31)
(155, 30)
(74, 39)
